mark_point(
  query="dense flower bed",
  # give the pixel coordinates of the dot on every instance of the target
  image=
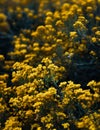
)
(49, 65)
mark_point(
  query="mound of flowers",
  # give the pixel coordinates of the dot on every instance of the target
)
(50, 65)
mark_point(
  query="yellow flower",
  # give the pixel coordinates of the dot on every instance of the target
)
(97, 33)
(89, 9)
(79, 25)
(39, 128)
(65, 101)
(92, 83)
(3, 17)
(12, 123)
(52, 90)
(49, 14)
(37, 104)
(56, 15)
(36, 49)
(65, 6)
(34, 126)
(96, 96)
(82, 47)
(63, 84)
(73, 35)
(80, 124)
(30, 15)
(35, 44)
(97, 18)
(19, 16)
(2, 58)
(94, 39)
(4, 26)
(40, 29)
(59, 23)
(93, 53)
(66, 125)
(48, 20)
(79, 11)
(46, 61)
(49, 125)
(82, 19)
(29, 113)
(61, 115)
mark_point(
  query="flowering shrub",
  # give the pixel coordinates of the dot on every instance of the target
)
(50, 65)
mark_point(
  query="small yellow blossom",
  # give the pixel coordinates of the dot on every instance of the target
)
(52, 90)
(94, 39)
(3, 17)
(63, 84)
(93, 53)
(89, 9)
(49, 125)
(48, 20)
(2, 58)
(49, 13)
(66, 125)
(40, 29)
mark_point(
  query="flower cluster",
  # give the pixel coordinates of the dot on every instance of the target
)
(49, 65)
